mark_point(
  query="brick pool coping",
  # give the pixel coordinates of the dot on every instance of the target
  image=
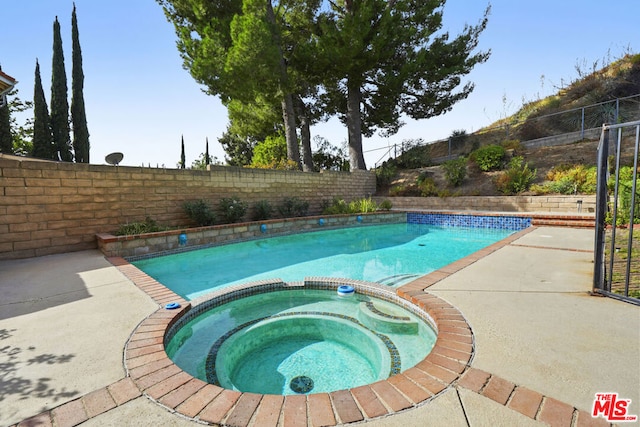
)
(150, 373)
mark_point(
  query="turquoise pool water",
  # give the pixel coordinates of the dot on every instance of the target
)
(300, 341)
(390, 254)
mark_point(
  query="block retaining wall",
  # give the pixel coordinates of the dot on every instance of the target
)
(550, 203)
(157, 244)
(56, 207)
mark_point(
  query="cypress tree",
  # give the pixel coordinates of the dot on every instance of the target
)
(182, 156)
(6, 139)
(42, 140)
(78, 115)
(59, 103)
(207, 159)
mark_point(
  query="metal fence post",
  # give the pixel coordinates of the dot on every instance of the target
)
(601, 208)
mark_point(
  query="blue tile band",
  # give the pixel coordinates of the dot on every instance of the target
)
(472, 221)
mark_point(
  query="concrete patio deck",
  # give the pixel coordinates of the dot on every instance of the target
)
(543, 346)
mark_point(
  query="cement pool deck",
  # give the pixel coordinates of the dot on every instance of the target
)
(541, 341)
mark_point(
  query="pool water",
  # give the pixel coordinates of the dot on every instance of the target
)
(300, 341)
(390, 254)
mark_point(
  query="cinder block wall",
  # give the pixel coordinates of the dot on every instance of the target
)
(584, 204)
(52, 207)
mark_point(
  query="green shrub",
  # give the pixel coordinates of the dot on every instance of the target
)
(489, 158)
(517, 178)
(337, 207)
(625, 190)
(363, 206)
(200, 212)
(293, 207)
(385, 205)
(397, 190)
(511, 144)
(385, 173)
(232, 209)
(569, 179)
(146, 226)
(428, 187)
(262, 210)
(455, 171)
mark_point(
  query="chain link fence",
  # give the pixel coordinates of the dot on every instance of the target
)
(563, 127)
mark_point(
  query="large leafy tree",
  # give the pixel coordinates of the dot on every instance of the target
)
(78, 113)
(235, 49)
(238, 149)
(59, 104)
(22, 133)
(385, 59)
(42, 140)
(368, 61)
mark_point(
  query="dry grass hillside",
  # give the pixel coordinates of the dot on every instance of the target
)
(617, 80)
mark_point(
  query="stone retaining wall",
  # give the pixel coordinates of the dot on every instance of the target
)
(55, 207)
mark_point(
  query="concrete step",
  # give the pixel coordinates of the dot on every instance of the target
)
(577, 221)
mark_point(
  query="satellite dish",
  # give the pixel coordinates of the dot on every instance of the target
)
(114, 158)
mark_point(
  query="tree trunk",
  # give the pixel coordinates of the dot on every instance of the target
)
(288, 110)
(354, 126)
(305, 135)
(289, 117)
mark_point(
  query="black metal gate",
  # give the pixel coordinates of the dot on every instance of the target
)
(617, 241)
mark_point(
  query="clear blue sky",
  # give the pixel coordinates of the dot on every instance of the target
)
(140, 101)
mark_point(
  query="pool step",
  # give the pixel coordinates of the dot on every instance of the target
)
(380, 321)
(397, 279)
(575, 221)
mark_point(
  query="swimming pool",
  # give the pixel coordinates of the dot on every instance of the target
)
(389, 254)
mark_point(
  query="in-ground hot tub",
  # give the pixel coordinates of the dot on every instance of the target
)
(279, 338)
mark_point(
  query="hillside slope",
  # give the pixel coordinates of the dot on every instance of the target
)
(620, 79)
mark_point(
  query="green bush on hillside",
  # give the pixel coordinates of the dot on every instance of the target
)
(455, 171)
(489, 157)
(516, 178)
(569, 179)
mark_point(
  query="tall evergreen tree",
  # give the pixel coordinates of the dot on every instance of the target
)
(207, 158)
(236, 49)
(6, 138)
(59, 103)
(183, 160)
(42, 140)
(385, 59)
(78, 114)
